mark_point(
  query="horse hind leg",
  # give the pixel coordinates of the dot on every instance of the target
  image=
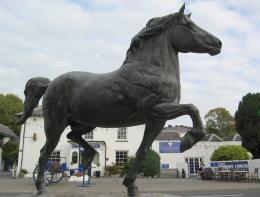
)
(50, 144)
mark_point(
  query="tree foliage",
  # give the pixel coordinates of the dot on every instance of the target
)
(9, 106)
(247, 122)
(150, 166)
(10, 153)
(220, 122)
(230, 152)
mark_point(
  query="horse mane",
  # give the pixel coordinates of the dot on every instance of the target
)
(153, 27)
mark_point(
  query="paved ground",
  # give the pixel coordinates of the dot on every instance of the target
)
(112, 187)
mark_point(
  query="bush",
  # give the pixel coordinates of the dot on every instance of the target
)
(112, 170)
(230, 152)
(10, 153)
(24, 171)
(151, 164)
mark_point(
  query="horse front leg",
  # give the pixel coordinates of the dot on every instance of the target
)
(171, 111)
(47, 149)
(152, 130)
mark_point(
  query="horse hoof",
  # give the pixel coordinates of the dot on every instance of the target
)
(187, 142)
(41, 192)
(128, 181)
(132, 190)
(190, 139)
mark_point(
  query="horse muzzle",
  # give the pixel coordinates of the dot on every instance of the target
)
(216, 49)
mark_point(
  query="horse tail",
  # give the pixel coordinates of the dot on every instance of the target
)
(34, 90)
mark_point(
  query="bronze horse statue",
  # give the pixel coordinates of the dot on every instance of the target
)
(144, 90)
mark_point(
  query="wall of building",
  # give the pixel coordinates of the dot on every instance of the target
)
(253, 164)
(29, 148)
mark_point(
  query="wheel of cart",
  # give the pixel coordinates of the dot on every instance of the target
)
(48, 175)
(58, 173)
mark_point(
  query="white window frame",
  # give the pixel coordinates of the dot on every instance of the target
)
(55, 156)
(122, 134)
(124, 156)
(89, 135)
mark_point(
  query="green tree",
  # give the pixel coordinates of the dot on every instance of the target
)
(10, 153)
(220, 122)
(230, 152)
(247, 122)
(9, 106)
(150, 166)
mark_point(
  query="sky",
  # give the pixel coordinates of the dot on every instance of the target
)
(50, 37)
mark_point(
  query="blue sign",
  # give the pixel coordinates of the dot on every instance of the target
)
(165, 166)
(227, 165)
(94, 145)
(169, 147)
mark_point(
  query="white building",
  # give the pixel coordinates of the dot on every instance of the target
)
(114, 145)
(193, 158)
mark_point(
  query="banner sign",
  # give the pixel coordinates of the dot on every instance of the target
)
(227, 165)
(165, 166)
(169, 147)
(94, 145)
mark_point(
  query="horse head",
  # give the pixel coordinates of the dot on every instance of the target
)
(186, 36)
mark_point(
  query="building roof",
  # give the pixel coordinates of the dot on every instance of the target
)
(172, 133)
(36, 112)
(168, 136)
(212, 138)
(5, 131)
(235, 137)
(179, 129)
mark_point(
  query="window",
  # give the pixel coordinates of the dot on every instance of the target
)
(55, 156)
(121, 133)
(121, 158)
(74, 158)
(194, 164)
(89, 135)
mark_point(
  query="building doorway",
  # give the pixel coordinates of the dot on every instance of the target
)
(194, 163)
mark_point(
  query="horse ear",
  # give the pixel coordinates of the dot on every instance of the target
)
(181, 11)
(189, 15)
